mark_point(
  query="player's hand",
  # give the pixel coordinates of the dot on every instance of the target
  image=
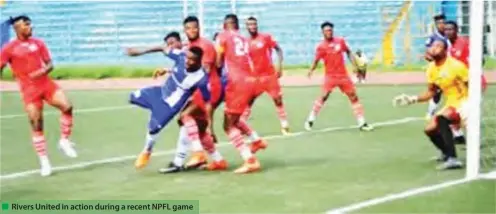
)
(310, 73)
(133, 52)
(404, 100)
(159, 72)
(279, 72)
(37, 73)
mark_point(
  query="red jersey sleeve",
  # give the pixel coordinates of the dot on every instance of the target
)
(319, 53)
(345, 45)
(44, 53)
(220, 43)
(4, 56)
(271, 41)
(209, 53)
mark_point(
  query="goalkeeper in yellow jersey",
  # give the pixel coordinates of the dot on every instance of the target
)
(451, 76)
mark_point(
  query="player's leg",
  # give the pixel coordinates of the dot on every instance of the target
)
(329, 84)
(34, 110)
(237, 98)
(161, 114)
(218, 162)
(182, 146)
(189, 123)
(447, 117)
(275, 92)
(432, 132)
(433, 104)
(60, 101)
(347, 87)
(247, 112)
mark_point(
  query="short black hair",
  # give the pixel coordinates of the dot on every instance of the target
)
(251, 18)
(191, 19)
(326, 24)
(13, 20)
(197, 51)
(173, 34)
(234, 17)
(439, 17)
(451, 22)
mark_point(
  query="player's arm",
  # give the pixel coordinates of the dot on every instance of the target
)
(205, 92)
(47, 62)
(318, 55)
(160, 72)
(220, 49)
(4, 59)
(280, 58)
(143, 51)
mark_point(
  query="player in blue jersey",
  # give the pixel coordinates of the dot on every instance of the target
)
(168, 100)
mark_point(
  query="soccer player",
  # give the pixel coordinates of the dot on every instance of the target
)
(451, 76)
(167, 100)
(193, 117)
(233, 57)
(361, 68)
(30, 62)
(260, 48)
(439, 20)
(331, 50)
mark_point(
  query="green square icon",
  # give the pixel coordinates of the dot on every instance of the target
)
(5, 206)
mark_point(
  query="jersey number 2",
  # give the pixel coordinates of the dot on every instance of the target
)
(241, 47)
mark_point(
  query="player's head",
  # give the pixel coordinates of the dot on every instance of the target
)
(359, 52)
(173, 40)
(22, 26)
(191, 27)
(252, 25)
(194, 58)
(327, 30)
(231, 22)
(438, 49)
(451, 30)
(439, 20)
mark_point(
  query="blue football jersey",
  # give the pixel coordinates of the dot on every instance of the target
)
(436, 35)
(181, 84)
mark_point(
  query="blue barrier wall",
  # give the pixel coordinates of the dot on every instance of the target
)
(97, 32)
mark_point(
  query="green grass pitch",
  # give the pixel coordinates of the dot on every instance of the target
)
(308, 173)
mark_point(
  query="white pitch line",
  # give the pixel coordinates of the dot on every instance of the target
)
(396, 196)
(10, 116)
(161, 153)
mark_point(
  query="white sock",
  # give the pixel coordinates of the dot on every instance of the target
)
(311, 117)
(150, 142)
(245, 152)
(196, 145)
(216, 156)
(431, 110)
(361, 121)
(181, 148)
(44, 161)
(253, 137)
(284, 124)
(457, 132)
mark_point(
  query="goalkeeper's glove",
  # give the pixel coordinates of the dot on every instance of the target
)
(403, 100)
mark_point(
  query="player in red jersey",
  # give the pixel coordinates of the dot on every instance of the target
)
(331, 50)
(260, 48)
(194, 116)
(233, 57)
(30, 62)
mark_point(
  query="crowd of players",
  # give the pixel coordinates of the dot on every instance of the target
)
(235, 69)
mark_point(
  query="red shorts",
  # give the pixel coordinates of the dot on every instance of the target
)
(39, 93)
(344, 83)
(270, 85)
(239, 93)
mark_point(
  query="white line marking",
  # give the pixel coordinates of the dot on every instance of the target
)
(75, 111)
(161, 153)
(392, 197)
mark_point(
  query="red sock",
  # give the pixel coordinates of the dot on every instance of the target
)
(246, 114)
(237, 140)
(357, 109)
(39, 143)
(317, 105)
(244, 127)
(66, 125)
(191, 128)
(208, 143)
(282, 115)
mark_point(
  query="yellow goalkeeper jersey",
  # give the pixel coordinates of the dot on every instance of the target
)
(451, 77)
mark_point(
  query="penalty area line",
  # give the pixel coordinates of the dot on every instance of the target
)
(16, 175)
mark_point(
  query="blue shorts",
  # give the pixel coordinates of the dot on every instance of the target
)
(151, 99)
